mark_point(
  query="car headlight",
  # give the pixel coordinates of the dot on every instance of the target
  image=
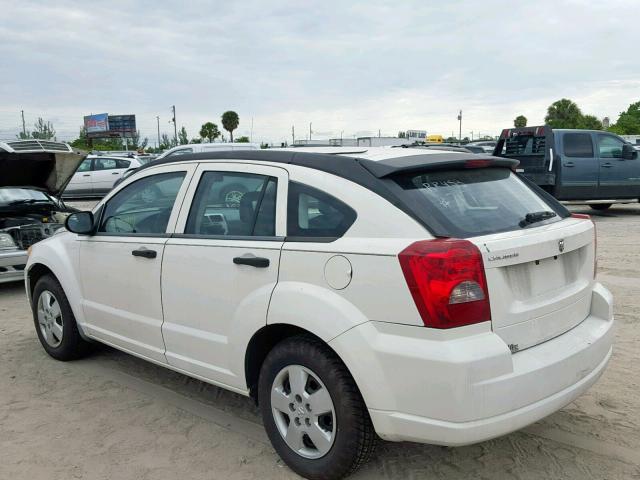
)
(6, 242)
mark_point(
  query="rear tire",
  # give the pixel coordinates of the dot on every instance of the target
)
(54, 321)
(347, 434)
(600, 206)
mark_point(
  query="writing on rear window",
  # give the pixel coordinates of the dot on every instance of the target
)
(441, 183)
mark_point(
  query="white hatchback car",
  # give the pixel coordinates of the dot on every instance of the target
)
(418, 295)
(97, 175)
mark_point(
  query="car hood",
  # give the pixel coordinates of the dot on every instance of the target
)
(48, 171)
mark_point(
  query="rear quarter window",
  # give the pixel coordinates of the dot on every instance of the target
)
(472, 202)
(312, 213)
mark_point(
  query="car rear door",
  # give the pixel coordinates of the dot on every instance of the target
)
(106, 171)
(579, 171)
(220, 268)
(120, 265)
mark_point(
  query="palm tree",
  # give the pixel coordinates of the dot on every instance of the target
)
(230, 122)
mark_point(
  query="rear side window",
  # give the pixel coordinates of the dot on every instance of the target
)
(472, 202)
(578, 145)
(312, 213)
(233, 204)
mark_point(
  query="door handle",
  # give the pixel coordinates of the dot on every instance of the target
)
(607, 165)
(569, 164)
(86, 175)
(252, 261)
(115, 173)
(144, 253)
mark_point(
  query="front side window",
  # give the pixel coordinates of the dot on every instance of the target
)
(85, 166)
(313, 213)
(233, 204)
(142, 207)
(609, 147)
(578, 145)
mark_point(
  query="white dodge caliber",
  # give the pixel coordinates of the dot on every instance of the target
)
(409, 294)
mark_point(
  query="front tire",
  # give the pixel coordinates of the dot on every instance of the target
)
(54, 321)
(313, 411)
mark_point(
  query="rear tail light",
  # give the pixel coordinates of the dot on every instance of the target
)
(584, 216)
(447, 281)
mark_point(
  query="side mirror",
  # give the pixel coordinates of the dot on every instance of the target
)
(629, 152)
(80, 223)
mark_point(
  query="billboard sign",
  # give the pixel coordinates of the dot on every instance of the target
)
(124, 125)
(417, 135)
(105, 125)
(96, 123)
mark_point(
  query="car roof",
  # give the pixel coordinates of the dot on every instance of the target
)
(352, 163)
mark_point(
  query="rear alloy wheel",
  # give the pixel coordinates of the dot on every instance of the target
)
(312, 410)
(303, 411)
(600, 206)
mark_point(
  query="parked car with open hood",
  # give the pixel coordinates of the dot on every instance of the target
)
(34, 173)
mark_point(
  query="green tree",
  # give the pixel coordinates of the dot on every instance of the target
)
(230, 122)
(590, 122)
(183, 138)
(196, 140)
(628, 122)
(520, 121)
(243, 139)
(166, 142)
(564, 114)
(209, 131)
(402, 134)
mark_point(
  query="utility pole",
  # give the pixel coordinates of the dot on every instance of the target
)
(158, 118)
(293, 134)
(310, 123)
(24, 127)
(341, 132)
(460, 131)
(175, 125)
(378, 133)
(472, 135)
(251, 134)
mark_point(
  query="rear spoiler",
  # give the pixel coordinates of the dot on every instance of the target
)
(433, 162)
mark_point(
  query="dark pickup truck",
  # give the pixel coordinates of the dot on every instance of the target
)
(590, 166)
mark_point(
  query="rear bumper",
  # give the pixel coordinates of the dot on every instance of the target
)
(12, 265)
(458, 391)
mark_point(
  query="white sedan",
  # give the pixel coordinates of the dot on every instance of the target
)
(410, 294)
(97, 174)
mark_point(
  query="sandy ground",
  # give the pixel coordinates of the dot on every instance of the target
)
(112, 416)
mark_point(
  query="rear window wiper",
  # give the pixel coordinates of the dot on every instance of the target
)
(535, 217)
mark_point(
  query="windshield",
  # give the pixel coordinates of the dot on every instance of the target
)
(472, 202)
(10, 196)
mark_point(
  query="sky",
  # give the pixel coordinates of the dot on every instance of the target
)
(349, 68)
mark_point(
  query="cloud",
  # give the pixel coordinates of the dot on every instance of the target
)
(345, 66)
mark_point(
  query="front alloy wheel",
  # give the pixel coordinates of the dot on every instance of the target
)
(303, 411)
(50, 318)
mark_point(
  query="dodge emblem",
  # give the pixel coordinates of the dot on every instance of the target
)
(561, 245)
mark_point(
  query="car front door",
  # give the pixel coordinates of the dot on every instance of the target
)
(80, 183)
(120, 264)
(220, 268)
(106, 171)
(579, 167)
(619, 178)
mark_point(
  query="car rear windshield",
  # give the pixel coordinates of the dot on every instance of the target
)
(472, 202)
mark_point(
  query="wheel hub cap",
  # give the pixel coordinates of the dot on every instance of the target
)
(50, 318)
(303, 411)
